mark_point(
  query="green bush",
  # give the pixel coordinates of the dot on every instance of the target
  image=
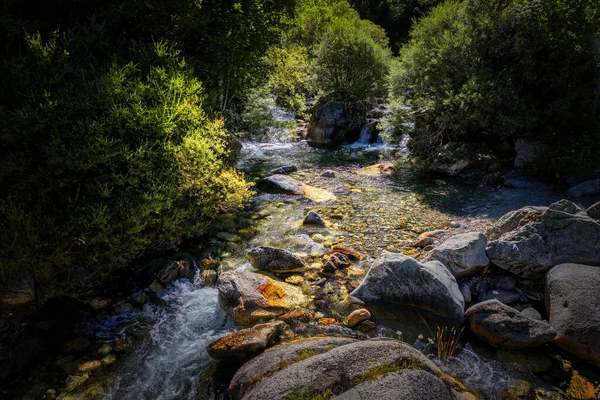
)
(495, 70)
(102, 164)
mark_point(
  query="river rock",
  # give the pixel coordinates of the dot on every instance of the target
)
(573, 303)
(357, 316)
(340, 365)
(405, 384)
(503, 296)
(312, 218)
(566, 206)
(455, 157)
(532, 313)
(587, 188)
(399, 280)
(171, 271)
(275, 260)
(250, 298)
(504, 327)
(286, 169)
(514, 220)
(539, 241)
(330, 124)
(279, 357)
(463, 254)
(528, 151)
(245, 344)
(18, 291)
(282, 184)
(209, 277)
(594, 211)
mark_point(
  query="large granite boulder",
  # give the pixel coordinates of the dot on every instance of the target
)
(538, 240)
(587, 188)
(405, 384)
(274, 259)
(246, 343)
(462, 254)
(337, 369)
(279, 357)
(504, 327)
(281, 184)
(398, 283)
(573, 303)
(330, 124)
(250, 298)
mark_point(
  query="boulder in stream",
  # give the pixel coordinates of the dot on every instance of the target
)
(249, 297)
(274, 259)
(573, 302)
(463, 254)
(281, 184)
(530, 241)
(587, 188)
(330, 124)
(504, 327)
(246, 343)
(594, 211)
(398, 285)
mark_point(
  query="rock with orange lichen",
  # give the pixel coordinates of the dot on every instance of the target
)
(246, 343)
(386, 168)
(580, 389)
(249, 297)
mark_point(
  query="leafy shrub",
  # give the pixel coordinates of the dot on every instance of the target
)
(494, 70)
(101, 164)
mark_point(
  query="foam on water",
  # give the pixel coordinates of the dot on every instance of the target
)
(169, 366)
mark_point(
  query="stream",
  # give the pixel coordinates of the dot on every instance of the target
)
(374, 212)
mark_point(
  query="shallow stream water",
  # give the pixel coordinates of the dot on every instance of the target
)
(373, 212)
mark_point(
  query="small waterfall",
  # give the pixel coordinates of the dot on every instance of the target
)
(170, 365)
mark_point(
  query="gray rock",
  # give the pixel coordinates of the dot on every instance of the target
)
(528, 151)
(532, 313)
(341, 365)
(281, 184)
(463, 254)
(466, 292)
(312, 218)
(250, 298)
(246, 343)
(587, 188)
(503, 296)
(504, 327)
(18, 291)
(396, 279)
(514, 220)
(287, 169)
(524, 182)
(330, 124)
(274, 259)
(405, 384)
(277, 358)
(573, 303)
(566, 206)
(328, 174)
(594, 211)
(171, 271)
(541, 241)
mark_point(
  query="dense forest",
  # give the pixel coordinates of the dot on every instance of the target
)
(116, 116)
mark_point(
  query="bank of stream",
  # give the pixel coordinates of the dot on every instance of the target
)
(376, 209)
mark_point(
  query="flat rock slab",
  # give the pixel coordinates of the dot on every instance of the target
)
(339, 366)
(397, 279)
(406, 384)
(462, 254)
(279, 357)
(528, 242)
(283, 184)
(274, 259)
(573, 302)
(244, 344)
(249, 298)
(504, 327)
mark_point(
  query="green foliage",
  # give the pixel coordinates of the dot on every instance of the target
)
(101, 164)
(329, 50)
(306, 394)
(495, 70)
(411, 363)
(304, 354)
